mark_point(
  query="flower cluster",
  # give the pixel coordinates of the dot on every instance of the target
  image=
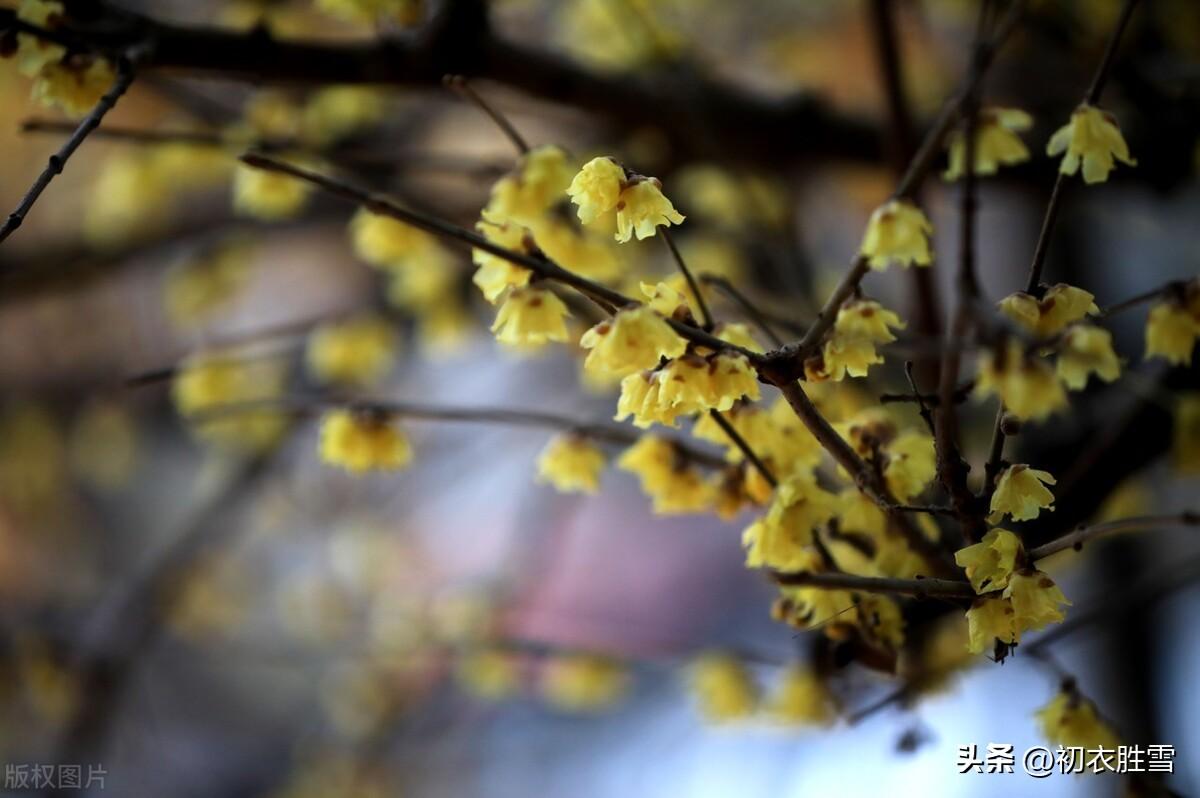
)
(603, 187)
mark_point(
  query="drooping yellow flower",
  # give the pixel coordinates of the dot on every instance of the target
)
(640, 399)
(592, 33)
(577, 249)
(334, 113)
(1171, 332)
(781, 538)
(572, 464)
(362, 441)
(531, 316)
(673, 485)
(1185, 447)
(897, 231)
(602, 186)
(34, 52)
(535, 184)
(267, 116)
(1035, 600)
(1027, 386)
(996, 142)
(850, 349)
(359, 351)
(1021, 494)
(1092, 139)
(405, 13)
(489, 673)
(633, 340)
(642, 208)
(911, 464)
(989, 563)
(269, 196)
(74, 86)
(128, 200)
(103, 445)
(723, 688)
(671, 297)
(693, 384)
(989, 620)
(1070, 720)
(197, 288)
(1061, 305)
(800, 698)
(495, 274)
(583, 682)
(596, 189)
(807, 607)
(1086, 350)
(206, 382)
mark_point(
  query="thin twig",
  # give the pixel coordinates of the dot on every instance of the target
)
(459, 85)
(752, 312)
(1138, 299)
(57, 161)
(705, 316)
(922, 407)
(1083, 534)
(744, 447)
(944, 588)
(543, 267)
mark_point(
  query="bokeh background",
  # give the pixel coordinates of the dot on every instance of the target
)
(267, 625)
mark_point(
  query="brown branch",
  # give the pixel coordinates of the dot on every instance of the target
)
(706, 317)
(1083, 534)
(744, 447)
(752, 312)
(922, 588)
(58, 161)
(541, 266)
(459, 85)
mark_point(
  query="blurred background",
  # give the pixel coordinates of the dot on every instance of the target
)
(209, 620)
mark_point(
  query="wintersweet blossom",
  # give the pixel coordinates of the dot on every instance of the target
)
(1070, 720)
(1035, 600)
(1171, 331)
(996, 142)
(1086, 350)
(990, 563)
(1059, 306)
(1021, 493)
(536, 183)
(800, 698)
(583, 682)
(572, 464)
(673, 485)
(74, 86)
(358, 351)
(602, 185)
(781, 538)
(1027, 386)
(897, 231)
(1093, 140)
(634, 339)
(362, 441)
(850, 348)
(531, 316)
(723, 688)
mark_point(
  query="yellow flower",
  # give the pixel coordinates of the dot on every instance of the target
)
(800, 698)
(1171, 332)
(360, 442)
(1086, 350)
(583, 682)
(989, 620)
(723, 688)
(591, 32)
(1186, 433)
(1028, 387)
(531, 317)
(402, 12)
(692, 384)
(270, 196)
(357, 352)
(577, 249)
(596, 189)
(32, 457)
(669, 296)
(1093, 139)
(640, 399)
(781, 538)
(386, 242)
(536, 183)
(673, 485)
(195, 289)
(996, 142)
(495, 275)
(1035, 599)
(1061, 305)
(34, 52)
(489, 673)
(990, 562)
(911, 464)
(334, 113)
(571, 464)
(642, 208)
(1020, 493)
(633, 340)
(74, 86)
(897, 231)
(268, 115)
(206, 382)
(834, 611)
(850, 348)
(601, 186)
(1070, 720)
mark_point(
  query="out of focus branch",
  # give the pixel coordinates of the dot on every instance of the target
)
(942, 588)
(1083, 534)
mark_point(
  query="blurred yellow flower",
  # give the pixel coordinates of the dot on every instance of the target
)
(673, 485)
(989, 563)
(1086, 350)
(269, 196)
(1186, 432)
(897, 231)
(1035, 600)
(103, 445)
(1021, 494)
(531, 316)
(34, 52)
(911, 464)
(723, 688)
(583, 682)
(800, 698)
(1027, 386)
(572, 464)
(989, 620)
(996, 143)
(195, 289)
(781, 538)
(358, 351)
(205, 383)
(489, 673)
(495, 274)
(1070, 720)
(1059, 306)
(534, 186)
(405, 13)
(1092, 139)
(1171, 332)
(633, 340)
(362, 441)
(74, 86)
